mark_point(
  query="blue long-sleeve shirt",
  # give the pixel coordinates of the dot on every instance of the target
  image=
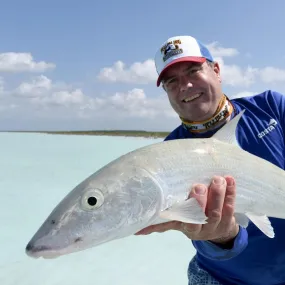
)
(254, 258)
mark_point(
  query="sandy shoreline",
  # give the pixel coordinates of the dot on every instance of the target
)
(144, 134)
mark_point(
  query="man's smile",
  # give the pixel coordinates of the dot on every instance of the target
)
(191, 97)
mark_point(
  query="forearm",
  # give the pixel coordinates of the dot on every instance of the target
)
(223, 249)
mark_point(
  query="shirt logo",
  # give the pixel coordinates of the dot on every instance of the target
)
(271, 127)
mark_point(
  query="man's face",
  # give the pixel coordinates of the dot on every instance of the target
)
(193, 89)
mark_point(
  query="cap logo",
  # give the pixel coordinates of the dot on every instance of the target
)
(170, 49)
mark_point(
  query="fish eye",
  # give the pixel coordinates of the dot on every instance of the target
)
(92, 199)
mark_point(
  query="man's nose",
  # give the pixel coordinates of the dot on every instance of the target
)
(185, 83)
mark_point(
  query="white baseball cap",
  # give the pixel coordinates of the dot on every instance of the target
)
(178, 49)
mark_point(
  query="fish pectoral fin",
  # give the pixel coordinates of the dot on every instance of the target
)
(188, 211)
(263, 223)
(242, 219)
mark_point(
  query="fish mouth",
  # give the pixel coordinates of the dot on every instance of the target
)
(36, 250)
(42, 251)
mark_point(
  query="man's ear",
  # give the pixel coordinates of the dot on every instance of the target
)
(217, 70)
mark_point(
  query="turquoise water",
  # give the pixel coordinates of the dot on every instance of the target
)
(38, 170)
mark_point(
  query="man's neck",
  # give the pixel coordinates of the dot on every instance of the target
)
(220, 117)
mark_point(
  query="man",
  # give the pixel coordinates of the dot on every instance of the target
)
(226, 252)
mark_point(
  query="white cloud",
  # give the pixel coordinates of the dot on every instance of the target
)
(138, 72)
(61, 98)
(41, 103)
(145, 72)
(219, 51)
(271, 74)
(42, 99)
(20, 62)
(38, 86)
(42, 91)
(1, 85)
(134, 104)
(234, 75)
(42, 95)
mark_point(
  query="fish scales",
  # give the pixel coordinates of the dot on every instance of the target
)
(151, 185)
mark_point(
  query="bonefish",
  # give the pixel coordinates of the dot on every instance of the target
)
(150, 185)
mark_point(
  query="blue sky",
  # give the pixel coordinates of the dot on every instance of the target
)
(65, 65)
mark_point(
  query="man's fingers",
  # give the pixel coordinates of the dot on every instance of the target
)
(200, 193)
(216, 196)
(230, 194)
(229, 204)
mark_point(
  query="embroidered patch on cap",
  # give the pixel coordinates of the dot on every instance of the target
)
(171, 49)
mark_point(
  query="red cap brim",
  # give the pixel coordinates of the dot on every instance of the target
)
(188, 58)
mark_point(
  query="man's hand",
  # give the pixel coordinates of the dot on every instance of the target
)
(217, 201)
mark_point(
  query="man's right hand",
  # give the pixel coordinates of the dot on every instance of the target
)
(217, 200)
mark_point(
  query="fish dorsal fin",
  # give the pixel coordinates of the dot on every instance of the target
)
(228, 132)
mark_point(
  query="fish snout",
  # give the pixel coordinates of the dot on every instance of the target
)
(35, 251)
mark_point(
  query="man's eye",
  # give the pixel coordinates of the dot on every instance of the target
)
(172, 81)
(193, 70)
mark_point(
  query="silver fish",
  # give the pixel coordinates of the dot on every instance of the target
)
(151, 185)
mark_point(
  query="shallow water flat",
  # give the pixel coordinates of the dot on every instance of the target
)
(36, 171)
